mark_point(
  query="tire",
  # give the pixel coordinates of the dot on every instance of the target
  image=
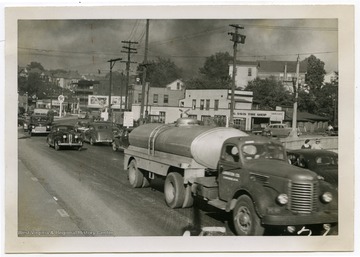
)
(245, 219)
(188, 200)
(56, 146)
(136, 178)
(174, 190)
(113, 144)
(146, 180)
(49, 142)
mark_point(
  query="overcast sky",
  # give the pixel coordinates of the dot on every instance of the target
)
(87, 45)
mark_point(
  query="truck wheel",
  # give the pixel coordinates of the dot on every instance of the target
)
(56, 146)
(114, 146)
(246, 221)
(136, 178)
(174, 190)
(189, 200)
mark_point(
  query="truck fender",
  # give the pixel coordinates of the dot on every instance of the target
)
(261, 196)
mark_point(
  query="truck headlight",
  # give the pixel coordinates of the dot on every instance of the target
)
(76, 136)
(33, 127)
(282, 199)
(47, 127)
(64, 136)
(327, 197)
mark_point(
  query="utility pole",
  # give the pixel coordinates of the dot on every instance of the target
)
(112, 63)
(236, 38)
(129, 51)
(294, 133)
(144, 74)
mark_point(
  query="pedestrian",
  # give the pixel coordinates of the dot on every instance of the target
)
(317, 144)
(306, 145)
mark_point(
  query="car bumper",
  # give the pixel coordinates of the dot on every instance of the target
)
(103, 141)
(70, 144)
(40, 130)
(285, 220)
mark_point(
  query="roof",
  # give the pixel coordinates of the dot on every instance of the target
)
(279, 66)
(245, 63)
(304, 116)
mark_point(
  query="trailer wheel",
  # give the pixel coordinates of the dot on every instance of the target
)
(174, 190)
(246, 221)
(135, 176)
(189, 200)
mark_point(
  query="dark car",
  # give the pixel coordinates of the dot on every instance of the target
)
(121, 138)
(99, 132)
(39, 124)
(322, 162)
(64, 136)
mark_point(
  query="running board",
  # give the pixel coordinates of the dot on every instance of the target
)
(218, 204)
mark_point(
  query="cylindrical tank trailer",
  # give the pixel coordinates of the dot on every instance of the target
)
(202, 143)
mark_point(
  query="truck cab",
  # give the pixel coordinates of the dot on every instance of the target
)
(255, 181)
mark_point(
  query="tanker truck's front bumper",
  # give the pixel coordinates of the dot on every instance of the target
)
(301, 219)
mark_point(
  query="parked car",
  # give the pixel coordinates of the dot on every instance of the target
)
(99, 132)
(62, 136)
(332, 132)
(278, 130)
(83, 115)
(121, 138)
(323, 162)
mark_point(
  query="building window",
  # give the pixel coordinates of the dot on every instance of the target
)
(240, 124)
(192, 116)
(207, 104)
(194, 104)
(249, 72)
(156, 98)
(166, 99)
(202, 104)
(139, 98)
(178, 85)
(216, 105)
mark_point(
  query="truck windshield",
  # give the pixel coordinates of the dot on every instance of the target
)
(263, 151)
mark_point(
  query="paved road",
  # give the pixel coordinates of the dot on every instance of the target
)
(86, 193)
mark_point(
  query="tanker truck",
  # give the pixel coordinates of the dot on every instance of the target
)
(249, 176)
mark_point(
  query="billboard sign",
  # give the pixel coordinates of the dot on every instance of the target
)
(101, 101)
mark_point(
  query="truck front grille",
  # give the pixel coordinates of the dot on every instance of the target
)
(70, 138)
(303, 197)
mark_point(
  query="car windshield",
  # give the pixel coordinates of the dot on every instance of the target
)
(64, 128)
(101, 127)
(39, 118)
(263, 151)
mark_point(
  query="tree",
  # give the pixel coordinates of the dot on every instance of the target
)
(214, 73)
(269, 93)
(35, 65)
(315, 73)
(161, 72)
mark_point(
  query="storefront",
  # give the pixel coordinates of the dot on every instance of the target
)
(250, 120)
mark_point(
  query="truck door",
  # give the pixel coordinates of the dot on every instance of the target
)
(229, 171)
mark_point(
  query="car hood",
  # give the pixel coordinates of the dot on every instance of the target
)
(280, 168)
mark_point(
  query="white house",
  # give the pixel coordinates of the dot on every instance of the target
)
(175, 85)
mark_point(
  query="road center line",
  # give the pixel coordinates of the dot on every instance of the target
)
(63, 213)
